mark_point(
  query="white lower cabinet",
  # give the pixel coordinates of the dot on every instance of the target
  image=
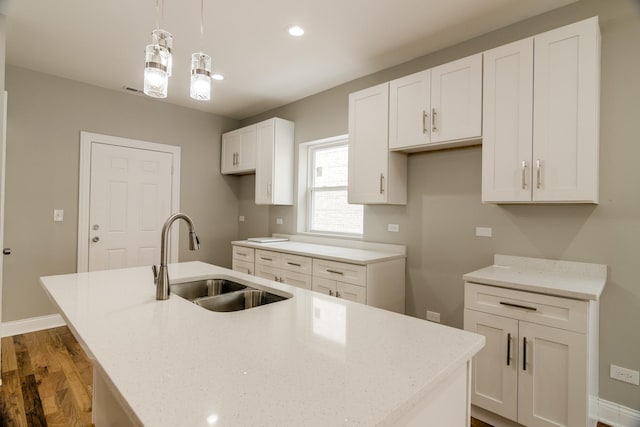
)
(379, 284)
(534, 368)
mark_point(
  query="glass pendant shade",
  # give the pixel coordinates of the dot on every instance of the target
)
(165, 40)
(156, 76)
(200, 76)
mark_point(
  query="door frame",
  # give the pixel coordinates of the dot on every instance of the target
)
(84, 193)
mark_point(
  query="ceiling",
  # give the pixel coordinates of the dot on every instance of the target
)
(102, 42)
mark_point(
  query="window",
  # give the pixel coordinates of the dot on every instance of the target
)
(327, 209)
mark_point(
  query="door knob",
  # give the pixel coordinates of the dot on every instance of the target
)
(95, 239)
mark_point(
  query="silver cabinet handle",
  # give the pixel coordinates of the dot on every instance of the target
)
(95, 239)
(337, 294)
(335, 272)
(508, 349)
(249, 272)
(524, 354)
(266, 259)
(524, 174)
(425, 120)
(538, 167)
(295, 264)
(241, 254)
(433, 120)
(381, 183)
(524, 307)
(330, 293)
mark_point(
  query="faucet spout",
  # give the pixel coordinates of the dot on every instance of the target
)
(161, 275)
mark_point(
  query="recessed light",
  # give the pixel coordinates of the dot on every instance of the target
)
(296, 30)
(217, 76)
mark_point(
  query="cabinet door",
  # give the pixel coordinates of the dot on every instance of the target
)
(456, 100)
(267, 272)
(351, 292)
(264, 166)
(507, 129)
(368, 144)
(566, 113)
(410, 110)
(247, 151)
(229, 152)
(494, 383)
(324, 286)
(296, 279)
(242, 266)
(552, 388)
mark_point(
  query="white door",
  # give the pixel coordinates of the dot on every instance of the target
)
(566, 113)
(410, 110)
(507, 129)
(130, 199)
(551, 388)
(369, 145)
(494, 383)
(456, 100)
(265, 149)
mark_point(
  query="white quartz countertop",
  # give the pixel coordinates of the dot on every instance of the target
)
(561, 278)
(311, 360)
(334, 253)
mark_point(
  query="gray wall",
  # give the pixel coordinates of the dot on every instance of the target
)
(45, 117)
(444, 206)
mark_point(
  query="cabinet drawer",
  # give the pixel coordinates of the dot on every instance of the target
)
(296, 279)
(559, 312)
(296, 263)
(242, 253)
(349, 273)
(268, 258)
(242, 266)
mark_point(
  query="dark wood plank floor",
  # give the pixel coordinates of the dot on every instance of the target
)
(47, 381)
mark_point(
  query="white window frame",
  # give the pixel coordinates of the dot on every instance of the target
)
(306, 169)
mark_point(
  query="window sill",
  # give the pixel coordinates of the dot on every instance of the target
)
(332, 236)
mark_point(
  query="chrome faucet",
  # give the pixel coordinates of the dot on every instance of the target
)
(161, 275)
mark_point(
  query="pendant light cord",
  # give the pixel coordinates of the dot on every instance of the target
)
(201, 23)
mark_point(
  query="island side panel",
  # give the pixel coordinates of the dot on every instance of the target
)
(448, 404)
(107, 410)
(386, 285)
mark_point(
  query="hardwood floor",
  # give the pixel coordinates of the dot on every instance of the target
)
(47, 380)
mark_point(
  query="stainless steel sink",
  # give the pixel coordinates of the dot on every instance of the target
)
(221, 294)
(240, 300)
(205, 288)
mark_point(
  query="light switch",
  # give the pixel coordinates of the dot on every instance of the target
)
(279, 221)
(58, 215)
(241, 218)
(393, 227)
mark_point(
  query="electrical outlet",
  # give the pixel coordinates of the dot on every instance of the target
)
(432, 316)
(279, 221)
(484, 231)
(626, 375)
(58, 215)
(393, 228)
(241, 218)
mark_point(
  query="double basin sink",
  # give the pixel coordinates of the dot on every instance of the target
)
(220, 294)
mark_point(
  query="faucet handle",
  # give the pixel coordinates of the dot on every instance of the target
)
(154, 268)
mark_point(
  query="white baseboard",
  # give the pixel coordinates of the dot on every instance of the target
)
(617, 415)
(32, 324)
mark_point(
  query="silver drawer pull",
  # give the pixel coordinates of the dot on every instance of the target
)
(294, 264)
(335, 272)
(241, 254)
(266, 259)
(524, 307)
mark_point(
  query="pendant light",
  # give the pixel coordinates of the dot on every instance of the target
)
(201, 68)
(158, 61)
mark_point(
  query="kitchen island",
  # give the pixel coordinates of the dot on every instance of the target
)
(308, 360)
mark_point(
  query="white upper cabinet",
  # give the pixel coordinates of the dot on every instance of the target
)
(238, 153)
(437, 108)
(541, 118)
(274, 168)
(566, 113)
(507, 123)
(456, 100)
(376, 176)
